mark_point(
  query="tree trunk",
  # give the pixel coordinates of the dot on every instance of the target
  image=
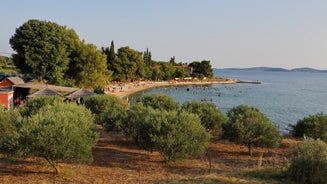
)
(250, 149)
(40, 78)
(56, 167)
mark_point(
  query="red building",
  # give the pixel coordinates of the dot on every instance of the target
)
(10, 81)
(7, 97)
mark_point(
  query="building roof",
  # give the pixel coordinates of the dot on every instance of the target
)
(32, 85)
(5, 90)
(45, 92)
(16, 80)
(80, 93)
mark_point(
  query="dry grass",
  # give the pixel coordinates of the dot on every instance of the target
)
(117, 160)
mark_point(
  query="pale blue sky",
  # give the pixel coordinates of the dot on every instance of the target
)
(230, 33)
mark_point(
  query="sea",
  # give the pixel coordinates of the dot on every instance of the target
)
(283, 97)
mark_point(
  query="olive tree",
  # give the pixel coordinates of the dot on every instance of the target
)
(308, 162)
(135, 116)
(211, 117)
(101, 105)
(60, 132)
(8, 117)
(179, 135)
(247, 125)
(159, 101)
(176, 135)
(33, 105)
(314, 126)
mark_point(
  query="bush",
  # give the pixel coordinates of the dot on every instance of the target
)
(62, 132)
(159, 101)
(180, 136)
(33, 105)
(7, 121)
(308, 162)
(175, 135)
(314, 126)
(247, 125)
(100, 104)
(134, 118)
(211, 117)
(99, 90)
(114, 118)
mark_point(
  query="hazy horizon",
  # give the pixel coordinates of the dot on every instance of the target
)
(231, 34)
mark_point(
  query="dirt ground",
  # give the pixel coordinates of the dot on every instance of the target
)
(117, 160)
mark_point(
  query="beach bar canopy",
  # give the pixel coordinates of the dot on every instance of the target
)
(45, 92)
(80, 93)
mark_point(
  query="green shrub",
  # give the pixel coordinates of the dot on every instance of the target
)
(99, 90)
(180, 136)
(176, 136)
(308, 162)
(100, 104)
(7, 121)
(247, 125)
(159, 101)
(211, 117)
(61, 132)
(314, 126)
(33, 105)
(114, 118)
(134, 117)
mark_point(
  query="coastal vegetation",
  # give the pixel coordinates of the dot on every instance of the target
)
(7, 66)
(103, 107)
(65, 133)
(247, 125)
(56, 54)
(211, 117)
(314, 126)
(308, 161)
(56, 132)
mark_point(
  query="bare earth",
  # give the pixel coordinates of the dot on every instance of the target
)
(117, 160)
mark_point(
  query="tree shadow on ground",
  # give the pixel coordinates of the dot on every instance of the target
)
(118, 153)
(21, 167)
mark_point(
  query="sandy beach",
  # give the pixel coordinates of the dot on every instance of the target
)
(125, 89)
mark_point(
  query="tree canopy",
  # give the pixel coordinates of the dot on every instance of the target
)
(201, 69)
(61, 132)
(55, 53)
(247, 125)
(176, 135)
(314, 126)
(91, 67)
(308, 162)
(159, 101)
(211, 117)
(101, 104)
(33, 105)
(42, 49)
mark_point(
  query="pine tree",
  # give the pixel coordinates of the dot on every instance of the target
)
(112, 54)
(147, 57)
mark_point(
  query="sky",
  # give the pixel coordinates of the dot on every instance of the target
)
(229, 33)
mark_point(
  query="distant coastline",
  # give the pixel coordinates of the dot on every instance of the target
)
(272, 69)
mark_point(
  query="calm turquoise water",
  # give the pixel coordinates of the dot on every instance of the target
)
(284, 97)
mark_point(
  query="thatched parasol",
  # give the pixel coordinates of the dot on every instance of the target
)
(80, 93)
(45, 92)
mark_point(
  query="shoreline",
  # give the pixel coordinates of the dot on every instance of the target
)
(123, 90)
